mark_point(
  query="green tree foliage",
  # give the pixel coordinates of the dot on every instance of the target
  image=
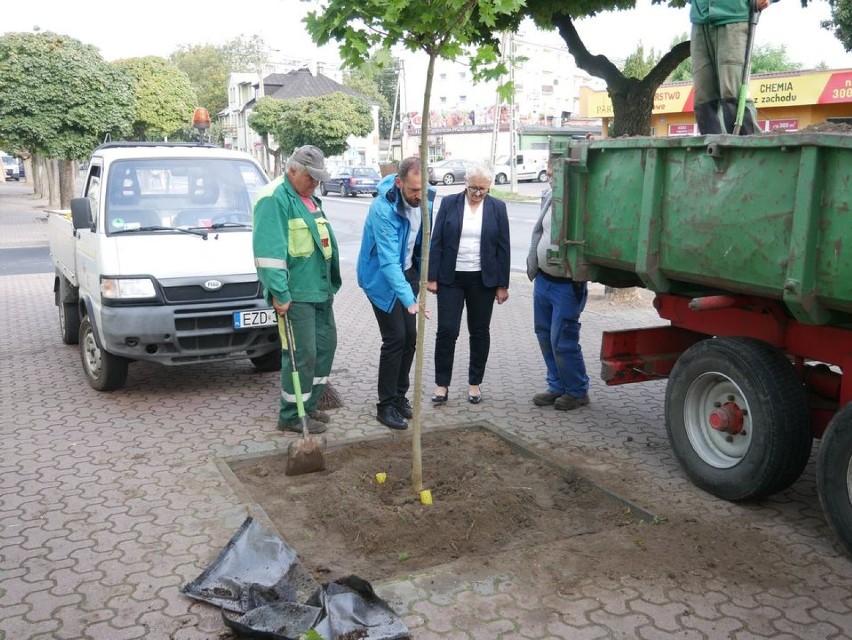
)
(58, 97)
(326, 122)
(165, 98)
(638, 65)
(376, 81)
(208, 69)
(246, 55)
(767, 58)
(684, 69)
(841, 21)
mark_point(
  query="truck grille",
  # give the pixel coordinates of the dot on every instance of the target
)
(197, 293)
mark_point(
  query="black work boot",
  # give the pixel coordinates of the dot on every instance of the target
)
(707, 117)
(729, 113)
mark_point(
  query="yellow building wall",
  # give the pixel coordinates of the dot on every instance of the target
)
(791, 101)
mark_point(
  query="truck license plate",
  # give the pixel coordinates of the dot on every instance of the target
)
(257, 318)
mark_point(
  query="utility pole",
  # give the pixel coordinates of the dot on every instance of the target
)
(513, 147)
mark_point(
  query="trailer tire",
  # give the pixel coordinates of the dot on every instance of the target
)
(104, 371)
(739, 383)
(834, 476)
(268, 361)
(501, 178)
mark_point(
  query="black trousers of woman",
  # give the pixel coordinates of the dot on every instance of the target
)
(466, 292)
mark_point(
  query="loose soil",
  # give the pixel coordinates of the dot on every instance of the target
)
(494, 511)
(487, 498)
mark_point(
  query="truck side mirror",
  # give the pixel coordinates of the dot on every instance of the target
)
(81, 214)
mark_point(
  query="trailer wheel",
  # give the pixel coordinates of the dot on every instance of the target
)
(268, 361)
(104, 371)
(737, 418)
(501, 178)
(834, 476)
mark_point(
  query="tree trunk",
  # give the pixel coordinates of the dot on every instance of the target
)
(67, 182)
(52, 178)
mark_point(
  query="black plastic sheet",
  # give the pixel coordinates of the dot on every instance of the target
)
(259, 578)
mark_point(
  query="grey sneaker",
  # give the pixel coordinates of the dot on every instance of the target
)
(314, 426)
(321, 416)
(568, 403)
(545, 399)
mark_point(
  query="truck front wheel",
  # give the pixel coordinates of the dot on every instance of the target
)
(268, 361)
(104, 371)
(737, 418)
(834, 476)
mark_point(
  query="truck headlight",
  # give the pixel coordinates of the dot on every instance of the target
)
(127, 288)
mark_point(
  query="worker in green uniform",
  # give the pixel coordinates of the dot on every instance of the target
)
(718, 47)
(297, 261)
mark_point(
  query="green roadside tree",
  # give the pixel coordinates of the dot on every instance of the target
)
(441, 29)
(208, 69)
(58, 98)
(326, 122)
(638, 65)
(165, 98)
(364, 82)
(841, 21)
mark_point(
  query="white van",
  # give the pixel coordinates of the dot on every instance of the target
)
(10, 167)
(530, 164)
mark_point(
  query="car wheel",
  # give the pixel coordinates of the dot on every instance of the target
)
(323, 190)
(449, 178)
(542, 177)
(500, 178)
(104, 371)
(344, 191)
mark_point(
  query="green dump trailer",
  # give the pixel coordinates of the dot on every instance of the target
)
(747, 243)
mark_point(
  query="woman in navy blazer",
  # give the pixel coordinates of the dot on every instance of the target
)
(469, 266)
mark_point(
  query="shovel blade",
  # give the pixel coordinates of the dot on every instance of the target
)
(306, 455)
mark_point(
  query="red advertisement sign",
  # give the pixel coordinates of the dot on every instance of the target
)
(682, 130)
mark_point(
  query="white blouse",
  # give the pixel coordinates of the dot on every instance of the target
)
(468, 258)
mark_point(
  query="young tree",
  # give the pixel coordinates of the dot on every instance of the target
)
(326, 122)
(165, 98)
(58, 97)
(440, 29)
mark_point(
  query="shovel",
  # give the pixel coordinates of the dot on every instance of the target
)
(306, 455)
(753, 17)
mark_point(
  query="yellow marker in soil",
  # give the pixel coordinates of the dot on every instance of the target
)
(381, 477)
(426, 496)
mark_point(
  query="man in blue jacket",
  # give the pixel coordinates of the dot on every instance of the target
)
(718, 45)
(389, 273)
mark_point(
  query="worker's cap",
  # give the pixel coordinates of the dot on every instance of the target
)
(313, 160)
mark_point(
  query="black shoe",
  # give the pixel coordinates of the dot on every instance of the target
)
(389, 416)
(439, 398)
(404, 407)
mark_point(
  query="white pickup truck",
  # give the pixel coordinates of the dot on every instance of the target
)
(154, 261)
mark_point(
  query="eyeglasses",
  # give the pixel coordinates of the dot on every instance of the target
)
(477, 191)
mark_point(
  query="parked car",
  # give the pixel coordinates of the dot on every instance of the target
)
(530, 164)
(350, 181)
(10, 165)
(447, 171)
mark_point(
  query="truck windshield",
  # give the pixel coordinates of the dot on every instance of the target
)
(181, 193)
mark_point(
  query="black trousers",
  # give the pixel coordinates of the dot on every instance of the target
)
(399, 341)
(466, 291)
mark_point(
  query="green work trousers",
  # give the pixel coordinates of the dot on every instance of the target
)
(315, 335)
(718, 57)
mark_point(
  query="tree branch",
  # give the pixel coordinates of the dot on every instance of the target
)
(598, 66)
(667, 64)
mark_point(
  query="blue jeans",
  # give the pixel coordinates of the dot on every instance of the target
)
(556, 316)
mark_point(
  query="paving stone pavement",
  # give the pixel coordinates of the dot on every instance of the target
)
(109, 502)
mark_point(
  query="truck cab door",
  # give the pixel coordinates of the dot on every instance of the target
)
(86, 258)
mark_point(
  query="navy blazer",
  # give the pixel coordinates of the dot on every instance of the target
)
(494, 243)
